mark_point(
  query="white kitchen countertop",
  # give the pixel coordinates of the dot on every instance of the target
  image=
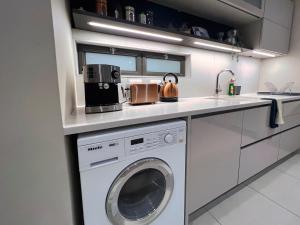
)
(279, 97)
(79, 122)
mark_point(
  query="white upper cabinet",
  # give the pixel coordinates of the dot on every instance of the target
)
(264, 25)
(257, 3)
(280, 12)
(274, 37)
(271, 33)
(230, 12)
(254, 7)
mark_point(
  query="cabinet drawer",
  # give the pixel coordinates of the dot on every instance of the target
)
(291, 115)
(257, 157)
(290, 121)
(256, 125)
(289, 142)
(291, 108)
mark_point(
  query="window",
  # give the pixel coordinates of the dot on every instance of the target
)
(131, 62)
(160, 65)
(127, 63)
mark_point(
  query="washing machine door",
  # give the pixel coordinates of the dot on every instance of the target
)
(140, 193)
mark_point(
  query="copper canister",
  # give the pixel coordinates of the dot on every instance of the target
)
(143, 94)
(101, 7)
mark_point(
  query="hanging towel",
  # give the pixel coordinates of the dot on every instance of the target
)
(273, 114)
(279, 116)
(276, 115)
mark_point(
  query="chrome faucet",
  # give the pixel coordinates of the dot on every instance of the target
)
(218, 88)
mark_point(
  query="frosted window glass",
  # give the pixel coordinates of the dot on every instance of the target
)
(165, 66)
(127, 63)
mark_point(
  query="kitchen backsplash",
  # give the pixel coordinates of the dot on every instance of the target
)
(201, 68)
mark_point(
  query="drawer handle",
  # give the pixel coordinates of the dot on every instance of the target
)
(106, 161)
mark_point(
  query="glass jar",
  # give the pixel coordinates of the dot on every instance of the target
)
(101, 7)
(143, 18)
(149, 16)
(129, 12)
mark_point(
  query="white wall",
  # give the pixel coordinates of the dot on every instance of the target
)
(64, 55)
(34, 178)
(201, 69)
(285, 69)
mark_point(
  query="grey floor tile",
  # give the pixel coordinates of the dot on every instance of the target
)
(291, 166)
(247, 207)
(205, 219)
(281, 188)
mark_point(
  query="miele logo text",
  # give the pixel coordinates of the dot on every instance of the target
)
(94, 148)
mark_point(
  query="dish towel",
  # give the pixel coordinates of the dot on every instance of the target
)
(276, 115)
(279, 116)
(273, 114)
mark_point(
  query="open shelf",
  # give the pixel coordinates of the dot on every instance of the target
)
(92, 22)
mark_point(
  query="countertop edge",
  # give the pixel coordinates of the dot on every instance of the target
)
(77, 129)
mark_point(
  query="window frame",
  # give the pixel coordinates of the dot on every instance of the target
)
(141, 56)
(162, 56)
(83, 49)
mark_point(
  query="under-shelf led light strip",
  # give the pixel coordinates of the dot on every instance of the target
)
(218, 47)
(145, 33)
(267, 54)
(133, 31)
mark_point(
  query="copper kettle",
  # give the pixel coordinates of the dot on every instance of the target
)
(169, 89)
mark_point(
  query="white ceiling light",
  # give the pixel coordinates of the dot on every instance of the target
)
(134, 31)
(218, 47)
(267, 54)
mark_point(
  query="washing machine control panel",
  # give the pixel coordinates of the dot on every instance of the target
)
(151, 141)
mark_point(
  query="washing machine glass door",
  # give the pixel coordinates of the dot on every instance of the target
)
(140, 193)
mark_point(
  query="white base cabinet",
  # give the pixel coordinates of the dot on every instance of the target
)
(214, 157)
(257, 157)
(289, 142)
(227, 149)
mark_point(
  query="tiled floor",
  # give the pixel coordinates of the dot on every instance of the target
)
(273, 199)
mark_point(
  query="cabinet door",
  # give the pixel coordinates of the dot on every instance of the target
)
(256, 125)
(280, 12)
(274, 37)
(257, 157)
(254, 7)
(214, 157)
(256, 3)
(289, 142)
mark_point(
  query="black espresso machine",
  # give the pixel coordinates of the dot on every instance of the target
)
(103, 90)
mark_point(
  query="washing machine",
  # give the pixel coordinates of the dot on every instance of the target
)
(134, 176)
